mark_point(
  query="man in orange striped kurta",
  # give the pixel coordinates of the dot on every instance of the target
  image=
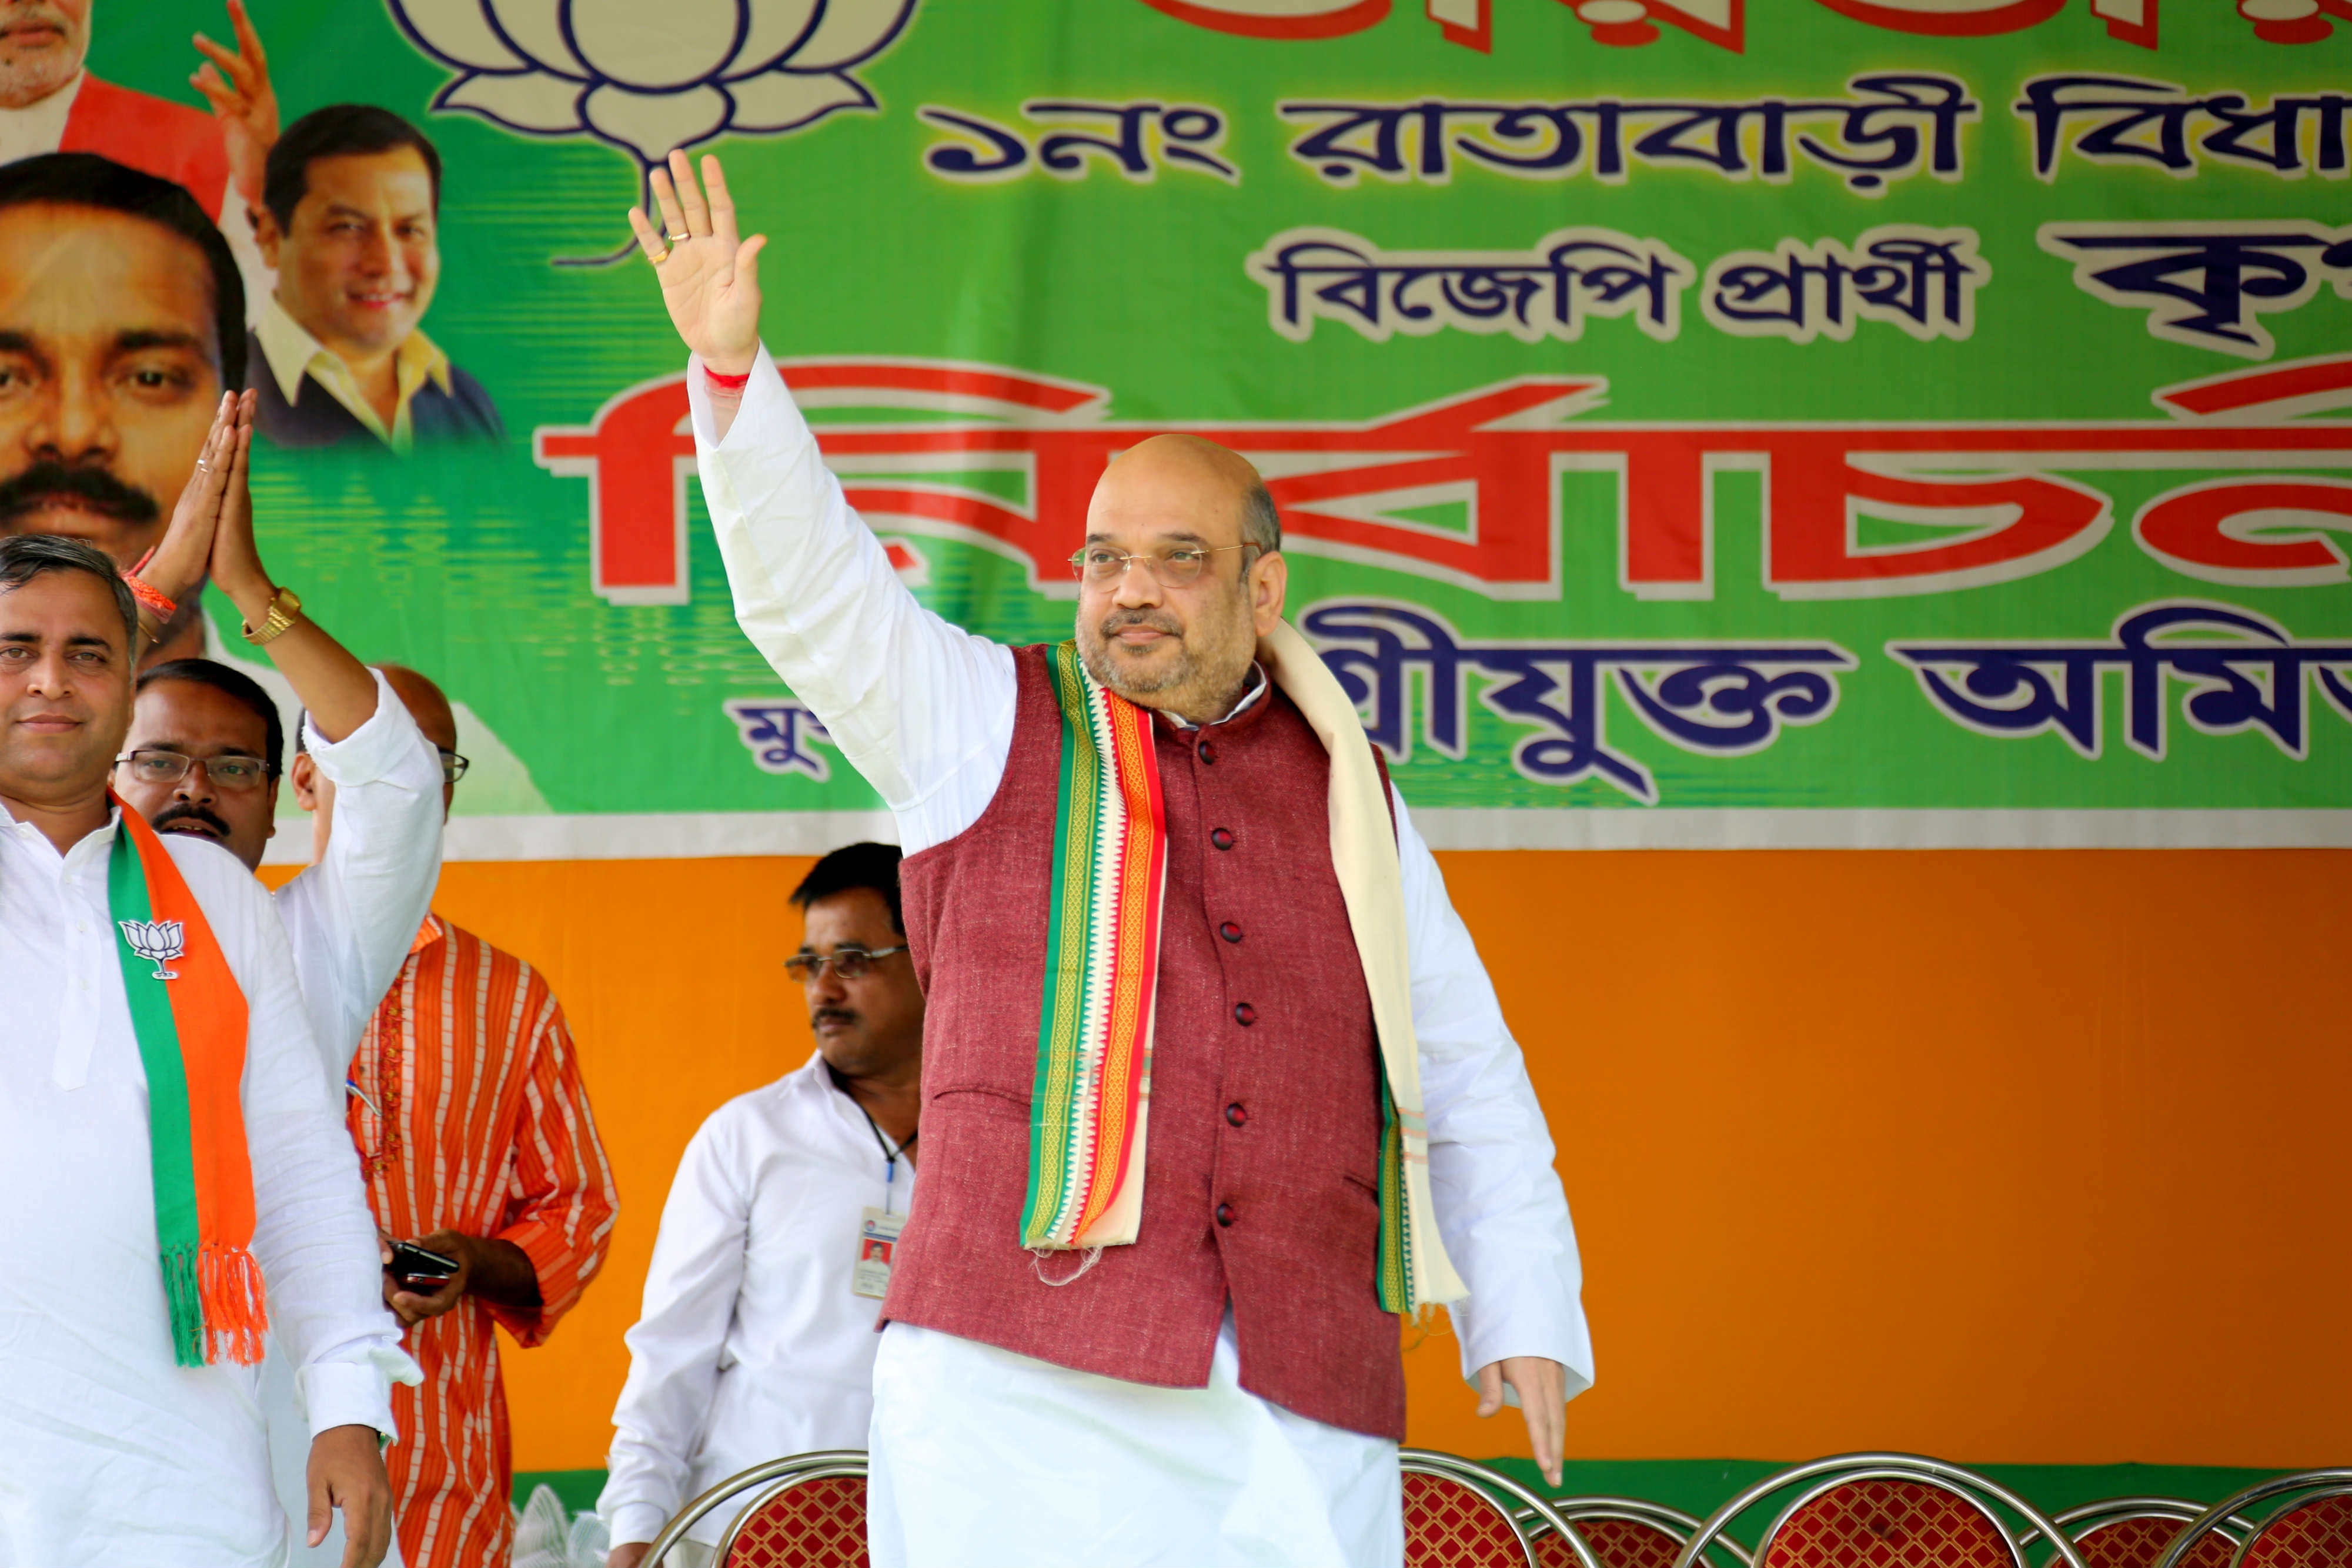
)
(476, 1141)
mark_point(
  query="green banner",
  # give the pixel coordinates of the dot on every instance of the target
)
(1843, 421)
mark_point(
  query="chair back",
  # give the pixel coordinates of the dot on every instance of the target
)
(1455, 1516)
(1624, 1532)
(2297, 1534)
(2314, 1533)
(765, 1478)
(2133, 1531)
(1884, 1510)
(815, 1518)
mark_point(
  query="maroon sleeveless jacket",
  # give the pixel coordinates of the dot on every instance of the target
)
(1261, 1154)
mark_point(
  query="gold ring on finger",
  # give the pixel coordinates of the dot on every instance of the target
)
(677, 239)
(657, 260)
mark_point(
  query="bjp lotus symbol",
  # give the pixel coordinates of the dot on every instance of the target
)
(646, 76)
(157, 941)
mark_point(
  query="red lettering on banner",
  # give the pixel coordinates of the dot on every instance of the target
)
(1950, 18)
(1990, 502)
(1278, 18)
(2265, 532)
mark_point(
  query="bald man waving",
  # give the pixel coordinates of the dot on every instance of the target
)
(1215, 1084)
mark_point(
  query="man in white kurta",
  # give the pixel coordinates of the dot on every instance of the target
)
(757, 1338)
(980, 1456)
(110, 1453)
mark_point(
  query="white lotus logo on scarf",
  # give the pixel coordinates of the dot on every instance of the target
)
(647, 76)
(157, 941)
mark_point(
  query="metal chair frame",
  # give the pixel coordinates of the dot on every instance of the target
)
(775, 1489)
(831, 1461)
(2322, 1483)
(1841, 1468)
(2084, 1518)
(1657, 1515)
(1479, 1477)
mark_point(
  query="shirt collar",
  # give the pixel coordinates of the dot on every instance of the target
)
(1249, 699)
(292, 350)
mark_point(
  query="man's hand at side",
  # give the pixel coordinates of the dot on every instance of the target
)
(710, 279)
(1541, 1385)
(628, 1555)
(347, 1472)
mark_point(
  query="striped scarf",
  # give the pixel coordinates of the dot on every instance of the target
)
(191, 1031)
(1089, 1105)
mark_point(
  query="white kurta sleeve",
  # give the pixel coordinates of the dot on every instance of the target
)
(312, 1234)
(674, 1348)
(352, 916)
(921, 708)
(1500, 1208)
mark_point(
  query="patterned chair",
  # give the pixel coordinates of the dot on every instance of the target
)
(2133, 1531)
(1623, 1533)
(804, 1512)
(1886, 1511)
(2312, 1529)
(1455, 1517)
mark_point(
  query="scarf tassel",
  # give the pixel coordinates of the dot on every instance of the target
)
(234, 1297)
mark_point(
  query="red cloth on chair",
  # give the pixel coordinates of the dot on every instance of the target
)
(2138, 1542)
(1453, 1524)
(1887, 1524)
(808, 1524)
(2313, 1534)
(1618, 1543)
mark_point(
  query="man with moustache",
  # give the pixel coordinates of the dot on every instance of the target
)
(349, 223)
(49, 103)
(1215, 1087)
(122, 323)
(163, 1106)
(757, 1338)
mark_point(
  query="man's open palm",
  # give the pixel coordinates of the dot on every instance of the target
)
(710, 279)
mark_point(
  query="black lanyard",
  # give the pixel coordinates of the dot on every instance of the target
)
(889, 1155)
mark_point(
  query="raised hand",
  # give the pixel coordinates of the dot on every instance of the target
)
(236, 82)
(709, 278)
(175, 567)
(236, 563)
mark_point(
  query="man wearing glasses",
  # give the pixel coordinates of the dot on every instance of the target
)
(1216, 1087)
(460, 1086)
(757, 1338)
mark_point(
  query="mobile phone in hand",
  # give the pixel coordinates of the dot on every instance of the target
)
(415, 1269)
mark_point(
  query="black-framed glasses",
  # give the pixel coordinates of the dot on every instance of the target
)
(1175, 566)
(452, 766)
(848, 963)
(234, 771)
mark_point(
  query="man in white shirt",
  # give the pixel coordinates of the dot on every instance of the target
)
(1337, 1115)
(204, 758)
(109, 1452)
(757, 1336)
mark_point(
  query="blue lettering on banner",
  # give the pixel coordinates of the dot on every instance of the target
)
(2204, 284)
(1715, 699)
(778, 732)
(1896, 125)
(2254, 675)
(1921, 280)
(1073, 137)
(2127, 121)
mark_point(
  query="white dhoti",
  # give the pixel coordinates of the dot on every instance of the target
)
(983, 1458)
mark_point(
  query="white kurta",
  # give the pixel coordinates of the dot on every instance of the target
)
(109, 1452)
(752, 1344)
(925, 711)
(350, 920)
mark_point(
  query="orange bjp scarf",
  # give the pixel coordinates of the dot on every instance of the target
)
(189, 1015)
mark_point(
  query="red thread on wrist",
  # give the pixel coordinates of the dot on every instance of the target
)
(152, 596)
(727, 383)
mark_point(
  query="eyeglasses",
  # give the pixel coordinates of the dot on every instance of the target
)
(452, 766)
(848, 963)
(1174, 567)
(232, 772)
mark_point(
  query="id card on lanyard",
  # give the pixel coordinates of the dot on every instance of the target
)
(878, 1229)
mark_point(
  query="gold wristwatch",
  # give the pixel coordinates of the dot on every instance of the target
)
(285, 608)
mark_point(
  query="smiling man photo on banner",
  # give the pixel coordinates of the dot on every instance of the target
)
(1215, 1087)
(176, 1178)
